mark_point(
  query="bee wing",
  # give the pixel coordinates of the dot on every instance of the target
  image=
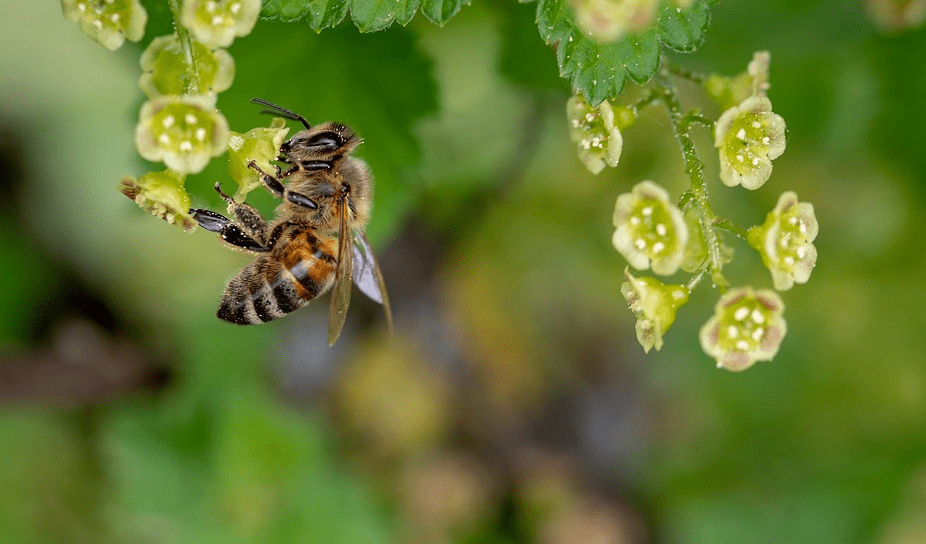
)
(367, 275)
(340, 293)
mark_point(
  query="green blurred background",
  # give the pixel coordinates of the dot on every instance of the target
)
(514, 403)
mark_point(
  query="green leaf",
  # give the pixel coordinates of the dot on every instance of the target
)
(598, 70)
(368, 15)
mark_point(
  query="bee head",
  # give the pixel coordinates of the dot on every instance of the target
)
(324, 142)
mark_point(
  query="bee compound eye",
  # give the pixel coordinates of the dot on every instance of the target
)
(325, 140)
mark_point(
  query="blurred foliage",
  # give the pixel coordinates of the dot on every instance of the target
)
(513, 405)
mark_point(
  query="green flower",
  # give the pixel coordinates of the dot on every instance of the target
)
(785, 241)
(183, 131)
(654, 304)
(162, 194)
(608, 20)
(261, 145)
(749, 137)
(596, 132)
(747, 326)
(216, 23)
(165, 70)
(108, 22)
(897, 15)
(731, 91)
(650, 230)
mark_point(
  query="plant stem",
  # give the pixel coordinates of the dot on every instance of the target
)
(681, 124)
(186, 46)
(730, 227)
(695, 77)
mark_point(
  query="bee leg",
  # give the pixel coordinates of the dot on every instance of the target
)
(273, 184)
(247, 217)
(228, 231)
(316, 165)
(301, 200)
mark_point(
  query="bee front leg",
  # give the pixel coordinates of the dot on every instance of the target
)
(273, 184)
(227, 230)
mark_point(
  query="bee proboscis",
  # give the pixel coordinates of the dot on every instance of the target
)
(317, 241)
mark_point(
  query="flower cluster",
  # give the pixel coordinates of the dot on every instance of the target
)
(181, 74)
(650, 231)
(785, 241)
(747, 326)
(597, 132)
(108, 22)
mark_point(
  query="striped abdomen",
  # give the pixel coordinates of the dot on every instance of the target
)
(300, 268)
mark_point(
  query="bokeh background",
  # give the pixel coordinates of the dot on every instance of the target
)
(514, 403)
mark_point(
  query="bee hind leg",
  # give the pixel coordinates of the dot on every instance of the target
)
(228, 231)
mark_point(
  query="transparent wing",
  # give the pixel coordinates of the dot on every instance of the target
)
(367, 275)
(340, 293)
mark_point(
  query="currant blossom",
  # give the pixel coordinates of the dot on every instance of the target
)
(897, 15)
(785, 241)
(183, 131)
(216, 23)
(108, 22)
(165, 70)
(749, 137)
(654, 304)
(650, 230)
(261, 145)
(732, 91)
(608, 20)
(747, 326)
(596, 133)
(162, 194)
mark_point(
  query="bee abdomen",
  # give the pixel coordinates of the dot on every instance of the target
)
(262, 292)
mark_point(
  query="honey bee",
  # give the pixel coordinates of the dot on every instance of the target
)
(317, 241)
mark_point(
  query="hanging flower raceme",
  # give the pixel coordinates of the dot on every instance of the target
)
(747, 326)
(749, 137)
(162, 194)
(261, 145)
(182, 131)
(216, 23)
(785, 241)
(654, 304)
(108, 22)
(596, 132)
(650, 231)
(165, 71)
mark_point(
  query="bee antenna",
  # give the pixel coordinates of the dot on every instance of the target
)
(279, 110)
